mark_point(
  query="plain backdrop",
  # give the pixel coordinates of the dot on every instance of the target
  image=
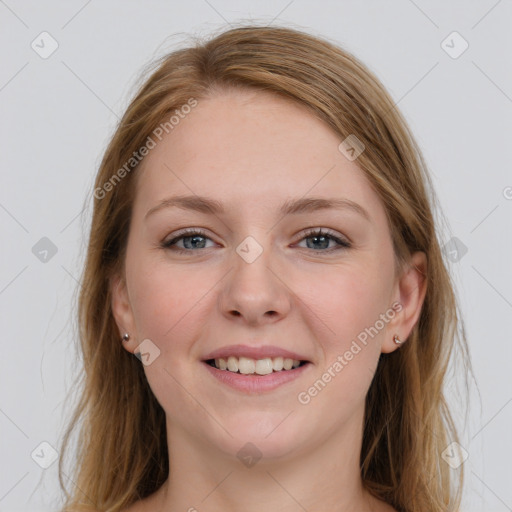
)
(58, 110)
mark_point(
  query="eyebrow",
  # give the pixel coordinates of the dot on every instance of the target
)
(291, 207)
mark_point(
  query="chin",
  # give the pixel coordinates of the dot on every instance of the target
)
(262, 432)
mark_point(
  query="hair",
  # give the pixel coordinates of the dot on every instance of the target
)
(122, 447)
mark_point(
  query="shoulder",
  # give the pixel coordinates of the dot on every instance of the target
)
(382, 506)
(138, 506)
(134, 507)
(148, 504)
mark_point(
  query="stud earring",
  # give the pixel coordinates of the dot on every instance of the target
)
(125, 337)
(397, 340)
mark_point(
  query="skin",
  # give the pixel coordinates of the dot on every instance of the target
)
(252, 151)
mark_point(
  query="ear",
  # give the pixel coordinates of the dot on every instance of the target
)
(411, 288)
(122, 311)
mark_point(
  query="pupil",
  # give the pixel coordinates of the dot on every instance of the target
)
(193, 240)
(324, 239)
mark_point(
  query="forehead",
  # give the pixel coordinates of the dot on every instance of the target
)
(251, 148)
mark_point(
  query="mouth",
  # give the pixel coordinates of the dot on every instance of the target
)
(253, 369)
(256, 367)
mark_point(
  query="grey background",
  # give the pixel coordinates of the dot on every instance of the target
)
(57, 114)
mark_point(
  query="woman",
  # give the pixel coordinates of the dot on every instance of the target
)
(263, 243)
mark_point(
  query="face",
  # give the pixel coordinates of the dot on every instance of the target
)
(254, 280)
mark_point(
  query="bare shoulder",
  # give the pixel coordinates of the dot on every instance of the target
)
(386, 507)
(382, 506)
(148, 504)
(138, 506)
(134, 507)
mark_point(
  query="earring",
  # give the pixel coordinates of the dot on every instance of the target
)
(125, 337)
(397, 340)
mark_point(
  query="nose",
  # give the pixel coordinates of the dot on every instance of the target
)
(255, 293)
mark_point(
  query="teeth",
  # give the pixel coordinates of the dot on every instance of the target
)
(278, 364)
(232, 364)
(248, 366)
(264, 366)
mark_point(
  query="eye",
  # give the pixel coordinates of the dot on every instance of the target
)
(196, 239)
(192, 239)
(321, 239)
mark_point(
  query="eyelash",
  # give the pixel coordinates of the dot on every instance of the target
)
(191, 232)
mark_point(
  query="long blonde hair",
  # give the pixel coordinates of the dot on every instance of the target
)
(122, 448)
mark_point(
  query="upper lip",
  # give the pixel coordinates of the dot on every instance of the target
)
(252, 352)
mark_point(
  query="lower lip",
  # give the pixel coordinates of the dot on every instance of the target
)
(256, 383)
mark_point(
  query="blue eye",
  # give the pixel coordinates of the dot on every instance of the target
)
(190, 237)
(196, 239)
(323, 238)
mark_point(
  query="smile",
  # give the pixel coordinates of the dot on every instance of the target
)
(251, 382)
(249, 366)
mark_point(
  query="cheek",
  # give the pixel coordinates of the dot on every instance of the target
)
(353, 303)
(350, 306)
(351, 300)
(168, 307)
(171, 304)
(162, 298)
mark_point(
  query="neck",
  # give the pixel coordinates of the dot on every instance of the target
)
(325, 477)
